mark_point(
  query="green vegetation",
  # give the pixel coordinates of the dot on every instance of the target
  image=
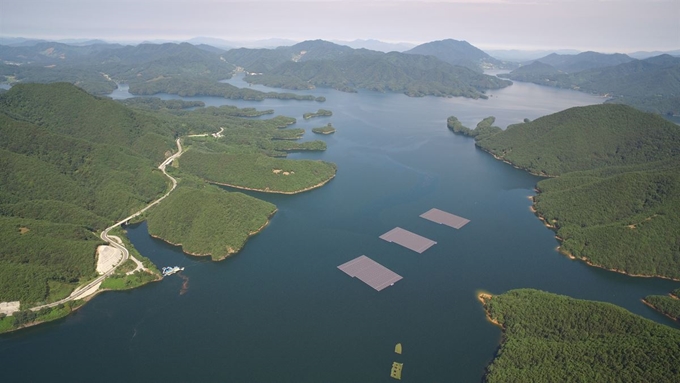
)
(460, 53)
(326, 64)
(484, 128)
(190, 87)
(616, 202)
(586, 138)
(319, 113)
(26, 318)
(328, 129)
(554, 338)
(207, 220)
(64, 181)
(257, 171)
(668, 305)
(651, 85)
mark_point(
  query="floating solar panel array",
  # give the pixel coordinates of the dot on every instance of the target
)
(407, 239)
(378, 276)
(442, 217)
(370, 272)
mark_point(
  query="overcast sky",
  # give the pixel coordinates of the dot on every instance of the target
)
(606, 26)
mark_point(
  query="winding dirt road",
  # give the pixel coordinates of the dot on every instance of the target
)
(116, 242)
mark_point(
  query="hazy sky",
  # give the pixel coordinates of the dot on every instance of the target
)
(607, 26)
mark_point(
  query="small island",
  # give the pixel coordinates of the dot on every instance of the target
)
(328, 129)
(319, 113)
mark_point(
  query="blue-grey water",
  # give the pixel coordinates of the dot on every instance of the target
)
(281, 311)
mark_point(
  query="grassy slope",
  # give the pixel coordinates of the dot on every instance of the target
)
(553, 338)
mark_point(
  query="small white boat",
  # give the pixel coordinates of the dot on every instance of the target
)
(171, 270)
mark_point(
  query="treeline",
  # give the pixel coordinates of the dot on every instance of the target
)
(554, 338)
(616, 203)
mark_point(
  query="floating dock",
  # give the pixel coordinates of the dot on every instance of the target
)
(396, 370)
(407, 239)
(444, 218)
(370, 272)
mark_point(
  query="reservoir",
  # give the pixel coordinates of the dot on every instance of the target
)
(281, 311)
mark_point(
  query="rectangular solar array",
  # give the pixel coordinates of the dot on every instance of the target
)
(370, 272)
(442, 217)
(407, 239)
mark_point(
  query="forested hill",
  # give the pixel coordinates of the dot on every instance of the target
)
(71, 165)
(651, 85)
(585, 138)
(64, 109)
(324, 64)
(554, 338)
(584, 60)
(460, 53)
(148, 69)
(616, 202)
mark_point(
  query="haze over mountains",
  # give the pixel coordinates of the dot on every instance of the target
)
(441, 68)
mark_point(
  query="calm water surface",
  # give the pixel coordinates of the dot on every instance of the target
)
(281, 311)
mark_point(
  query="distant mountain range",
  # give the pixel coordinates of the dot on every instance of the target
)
(652, 84)
(582, 61)
(322, 63)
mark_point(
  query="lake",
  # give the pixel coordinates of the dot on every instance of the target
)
(281, 311)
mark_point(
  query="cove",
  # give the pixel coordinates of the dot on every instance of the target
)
(280, 310)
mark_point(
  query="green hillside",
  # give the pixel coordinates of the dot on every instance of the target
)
(207, 220)
(459, 53)
(616, 202)
(323, 64)
(585, 138)
(67, 173)
(669, 304)
(554, 338)
(651, 85)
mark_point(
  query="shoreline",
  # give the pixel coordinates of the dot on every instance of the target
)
(484, 298)
(644, 301)
(320, 184)
(230, 251)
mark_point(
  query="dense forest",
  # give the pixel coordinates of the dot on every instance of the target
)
(63, 181)
(72, 164)
(616, 202)
(669, 304)
(554, 338)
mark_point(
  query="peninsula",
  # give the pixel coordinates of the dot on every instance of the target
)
(614, 199)
(554, 338)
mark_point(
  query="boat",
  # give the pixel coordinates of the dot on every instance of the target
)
(167, 270)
